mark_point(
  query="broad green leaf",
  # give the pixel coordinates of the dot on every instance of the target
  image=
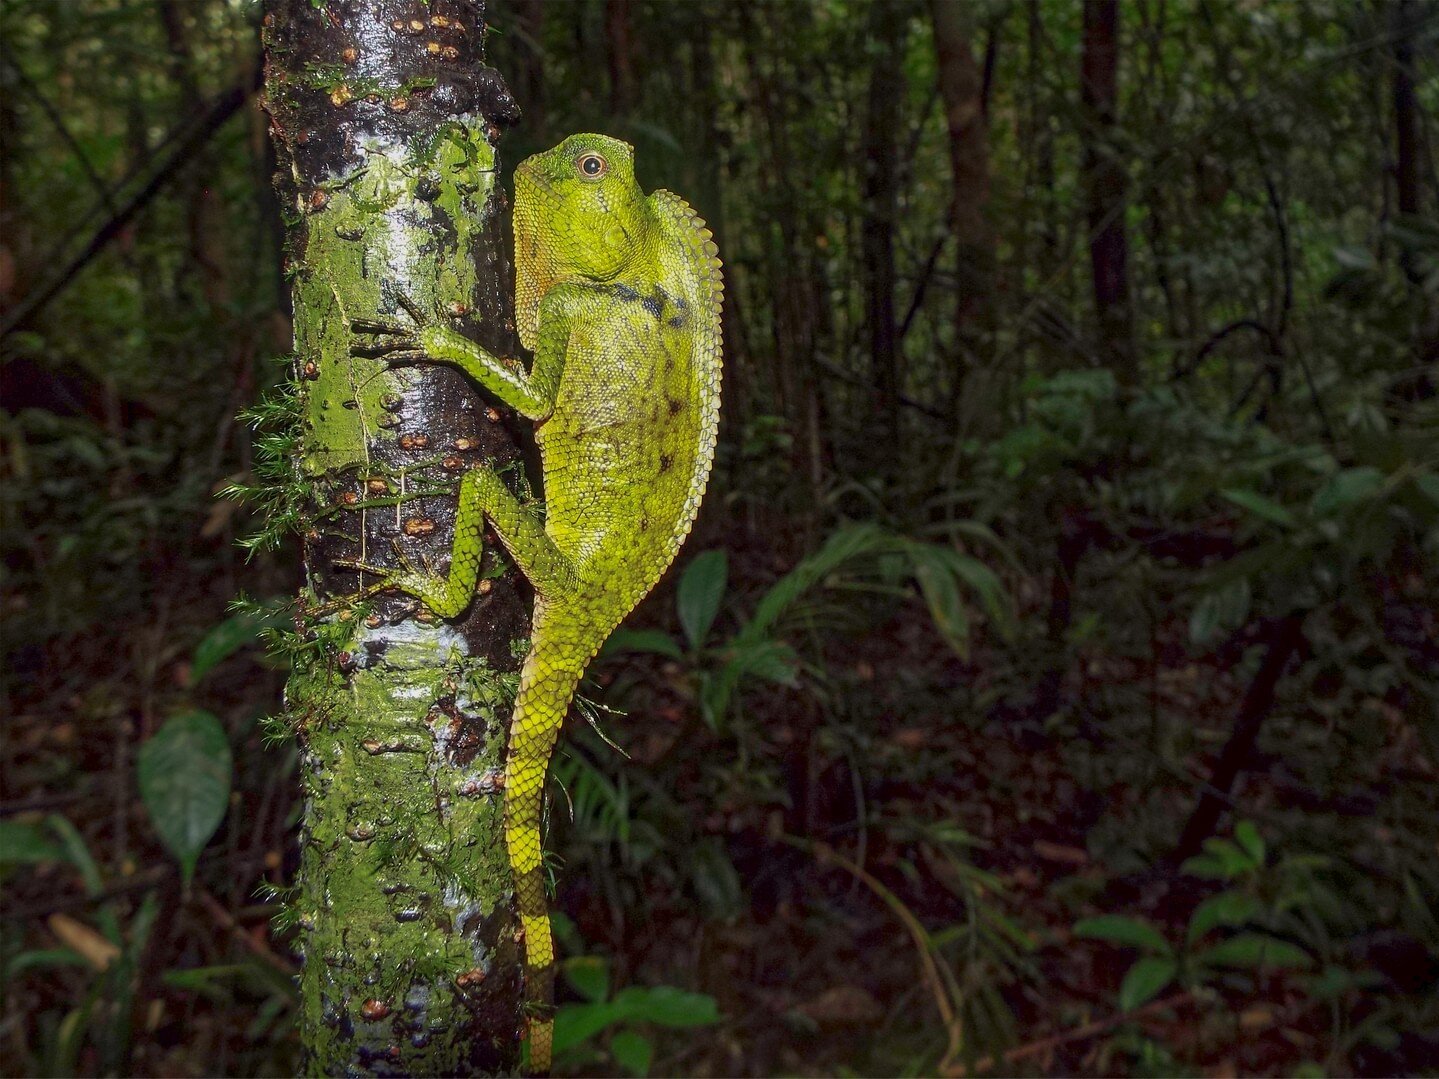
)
(941, 595)
(184, 772)
(26, 844)
(224, 640)
(1260, 506)
(1205, 866)
(1253, 950)
(1119, 929)
(1225, 909)
(633, 1052)
(716, 881)
(667, 1006)
(1250, 841)
(576, 1024)
(1145, 980)
(590, 977)
(701, 589)
(1234, 860)
(642, 640)
(774, 661)
(1345, 489)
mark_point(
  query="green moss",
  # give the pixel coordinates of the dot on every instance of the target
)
(403, 902)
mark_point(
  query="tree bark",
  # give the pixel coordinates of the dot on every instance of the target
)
(880, 194)
(385, 120)
(1105, 184)
(1283, 639)
(962, 87)
(1404, 16)
(618, 52)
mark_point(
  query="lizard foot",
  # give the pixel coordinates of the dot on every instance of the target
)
(435, 591)
(392, 342)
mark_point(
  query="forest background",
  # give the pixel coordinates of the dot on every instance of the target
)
(1050, 684)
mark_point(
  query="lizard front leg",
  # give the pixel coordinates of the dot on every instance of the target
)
(532, 395)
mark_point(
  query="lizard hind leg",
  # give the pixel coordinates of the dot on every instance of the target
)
(484, 495)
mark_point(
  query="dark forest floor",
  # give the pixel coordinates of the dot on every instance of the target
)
(915, 795)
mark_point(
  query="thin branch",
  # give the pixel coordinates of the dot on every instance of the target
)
(58, 123)
(1078, 1034)
(197, 130)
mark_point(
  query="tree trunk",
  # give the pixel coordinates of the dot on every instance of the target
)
(962, 87)
(1283, 639)
(530, 58)
(618, 51)
(880, 194)
(384, 121)
(1105, 185)
(1404, 17)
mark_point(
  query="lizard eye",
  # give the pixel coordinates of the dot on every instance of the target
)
(592, 165)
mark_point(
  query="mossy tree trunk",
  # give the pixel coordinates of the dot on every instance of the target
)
(385, 121)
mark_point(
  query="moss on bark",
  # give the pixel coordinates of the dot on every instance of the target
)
(386, 120)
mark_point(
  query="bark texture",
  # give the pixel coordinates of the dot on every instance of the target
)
(385, 119)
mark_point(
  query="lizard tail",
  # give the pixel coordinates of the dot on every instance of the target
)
(547, 685)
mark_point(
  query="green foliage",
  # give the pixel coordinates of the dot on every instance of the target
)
(620, 1022)
(857, 557)
(184, 771)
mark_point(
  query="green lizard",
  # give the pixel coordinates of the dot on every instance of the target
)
(618, 297)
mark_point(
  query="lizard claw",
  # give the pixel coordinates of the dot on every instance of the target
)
(403, 345)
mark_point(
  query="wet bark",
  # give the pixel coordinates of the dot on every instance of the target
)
(385, 121)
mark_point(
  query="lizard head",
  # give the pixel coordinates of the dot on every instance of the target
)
(579, 216)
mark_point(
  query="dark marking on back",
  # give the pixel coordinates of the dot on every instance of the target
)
(666, 461)
(655, 305)
(676, 407)
(624, 292)
(677, 323)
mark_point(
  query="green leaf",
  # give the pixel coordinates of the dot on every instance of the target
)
(774, 661)
(184, 773)
(224, 640)
(1119, 929)
(941, 595)
(1226, 607)
(1225, 909)
(1345, 489)
(1145, 979)
(590, 977)
(1250, 841)
(666, 1006)
(1428, 484)
(716, 881)
(632, 1052)
(701, 589)
(44, 957)
(1233, 860)
(26, 844)
(642, 640)
(576, 1024)
(1252, 950)
(1260, 506)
